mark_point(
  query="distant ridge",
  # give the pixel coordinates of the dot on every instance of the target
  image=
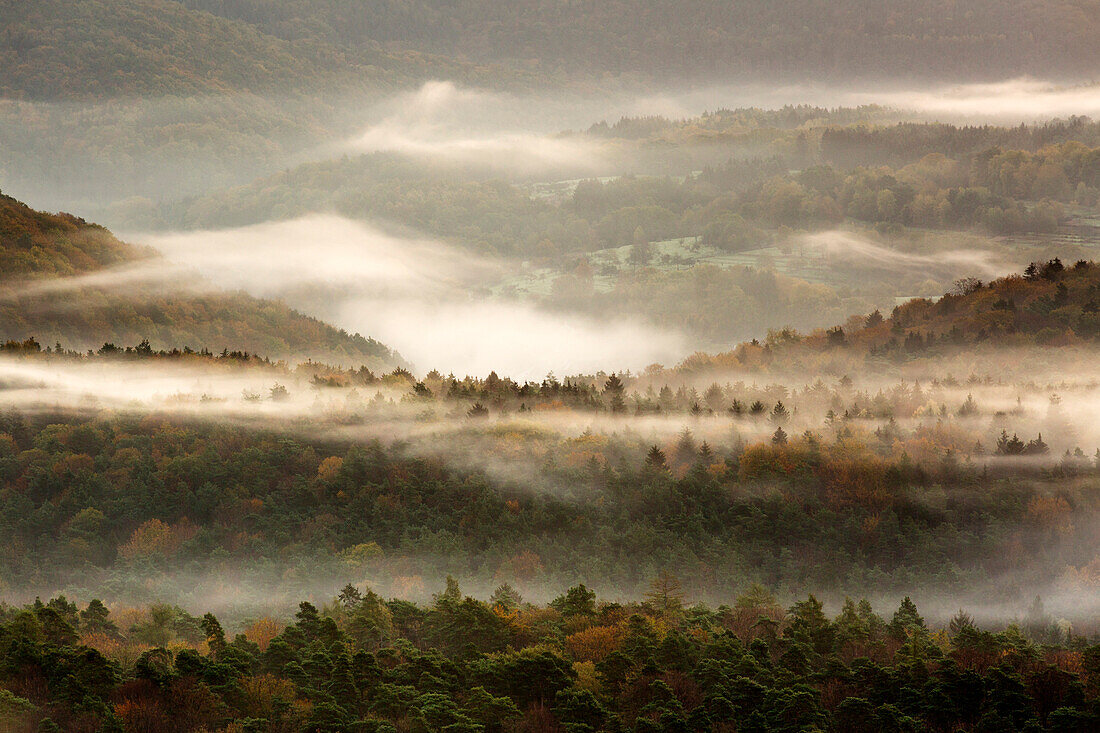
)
(95, 49)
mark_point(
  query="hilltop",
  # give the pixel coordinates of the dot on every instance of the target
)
(36, 246)
(1049, 304)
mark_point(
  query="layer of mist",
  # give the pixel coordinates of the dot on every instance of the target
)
(1029, 393)
(423, 298)
(446, 123)
(850, 250)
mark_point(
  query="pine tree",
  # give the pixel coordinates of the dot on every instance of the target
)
(613, 388)
(505, 597)
(685, 446)
(705, 452)
(960, 621)
(906, 620)
(655, 459)
(350, 597)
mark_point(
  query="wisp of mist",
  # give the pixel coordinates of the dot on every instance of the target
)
(424, 298)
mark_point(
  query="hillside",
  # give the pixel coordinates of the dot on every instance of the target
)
(1049, 304)
(88, 49)
(1025, 316)
(787, 237)
(36, 245)
(710, 39)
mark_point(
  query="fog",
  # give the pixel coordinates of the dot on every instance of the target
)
(522, 134)
(439, 109)
(1012, 389)
(423, 298)
(1022, 391)
(853, 250)
(1013, 100)
(1009, 101)
(213, 391)
(444, 122)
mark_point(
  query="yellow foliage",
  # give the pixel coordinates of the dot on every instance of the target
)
(580, 458)
(522, 567)
(941, 639)
(766, 459)
(127, 617)
(858, 482)
(330, 468)
(532, 624)
(126, 653)
(587, 679)
(105, 644)
(362, 555)
(262, 631)
(77, 463)
(1086, 577)
(258, 694)
(154, 536)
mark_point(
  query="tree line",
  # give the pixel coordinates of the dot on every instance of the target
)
(361, 663)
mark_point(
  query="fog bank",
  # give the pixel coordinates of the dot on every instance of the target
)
(423, 298)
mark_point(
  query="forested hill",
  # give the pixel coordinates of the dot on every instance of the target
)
(36, 246)
(711, 39)
(34, 243)
(89, 49)
(100, 48)
(1049, 304)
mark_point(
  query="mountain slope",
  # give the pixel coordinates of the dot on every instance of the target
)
(711, 39)
(33, 243)
(55, 48)
(1050, 304)
(97, 48)
(88, 49)
(36, 247)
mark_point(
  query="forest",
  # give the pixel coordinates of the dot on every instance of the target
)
(348, 470)
(959, 178)
(92, 49)
(578, 663)
(625, 538)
